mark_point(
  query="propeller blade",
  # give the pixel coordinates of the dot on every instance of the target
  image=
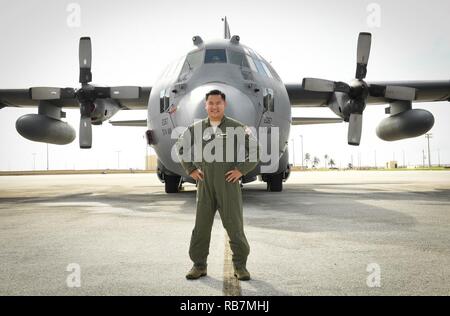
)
(85, 134)
(362, 54)
(51, 93)
(45, 93)
(392, 92)
(376, 90)
(85, 59)
(102, 92)
(319, 85)
(125, 92)
(400, 93)
(354, 129)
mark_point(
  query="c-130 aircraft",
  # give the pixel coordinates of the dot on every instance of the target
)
(255, 94)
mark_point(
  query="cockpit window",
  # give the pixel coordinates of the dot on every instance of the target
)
(258, 55)
(274, 73)
(237, 58)
(266, 69)
(248, 51)
(260, 67)
(193, 61)
(251, 63)
(215, 56)
(174, 67)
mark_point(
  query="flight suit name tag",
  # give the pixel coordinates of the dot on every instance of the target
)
(209, 136)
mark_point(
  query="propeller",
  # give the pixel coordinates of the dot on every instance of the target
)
(358, 90)
(87, 94)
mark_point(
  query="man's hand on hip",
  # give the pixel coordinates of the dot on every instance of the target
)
(233, 175)
(197, 174)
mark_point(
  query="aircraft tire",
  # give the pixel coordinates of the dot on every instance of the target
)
(172, 183)
(275, 183)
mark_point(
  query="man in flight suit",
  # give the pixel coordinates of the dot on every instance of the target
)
(218, 186)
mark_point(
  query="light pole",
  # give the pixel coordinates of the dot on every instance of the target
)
(439, 157)
(34, 161)
(293, 152)
(301, 137)
(428, 136)
(403, 151)
(423, 158)
(375, 156)
(118, 157)
(359, 160)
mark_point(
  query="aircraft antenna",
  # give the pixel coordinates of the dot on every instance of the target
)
(226, 29)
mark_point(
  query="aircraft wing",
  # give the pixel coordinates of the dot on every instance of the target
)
(315, 120)
(426, 91)
(300, 97)
(137, 104)
(96, 104)
(295, 121)
(23, 98)
(129, 123)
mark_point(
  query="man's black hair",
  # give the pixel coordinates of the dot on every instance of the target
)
(215, 92)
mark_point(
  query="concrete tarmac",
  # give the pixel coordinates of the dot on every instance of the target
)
(327, 233)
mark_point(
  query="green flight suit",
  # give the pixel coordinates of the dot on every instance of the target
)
(215, 193)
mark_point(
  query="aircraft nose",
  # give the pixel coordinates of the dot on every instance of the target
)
(239, 106)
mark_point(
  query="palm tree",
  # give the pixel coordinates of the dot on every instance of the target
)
(332, 163)
(307, 158)
(316, 161)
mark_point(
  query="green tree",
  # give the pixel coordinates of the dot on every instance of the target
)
(307, 158)
(316, 161)
(332, 163)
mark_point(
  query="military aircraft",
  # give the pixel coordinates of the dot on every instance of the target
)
(255, 93)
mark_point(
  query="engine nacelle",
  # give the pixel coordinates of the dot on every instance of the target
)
(41, 128)
(406, 124)
(104, 109)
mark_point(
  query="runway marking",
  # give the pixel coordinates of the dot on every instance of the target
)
(231, 285)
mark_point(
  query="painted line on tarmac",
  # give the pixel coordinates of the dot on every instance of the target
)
(231, 285)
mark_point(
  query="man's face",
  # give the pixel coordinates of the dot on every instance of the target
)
(215, 106)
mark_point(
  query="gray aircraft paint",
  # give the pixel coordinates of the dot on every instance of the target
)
(243, 102)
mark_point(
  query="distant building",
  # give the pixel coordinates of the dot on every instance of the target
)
(151, 162)
(391, 164)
